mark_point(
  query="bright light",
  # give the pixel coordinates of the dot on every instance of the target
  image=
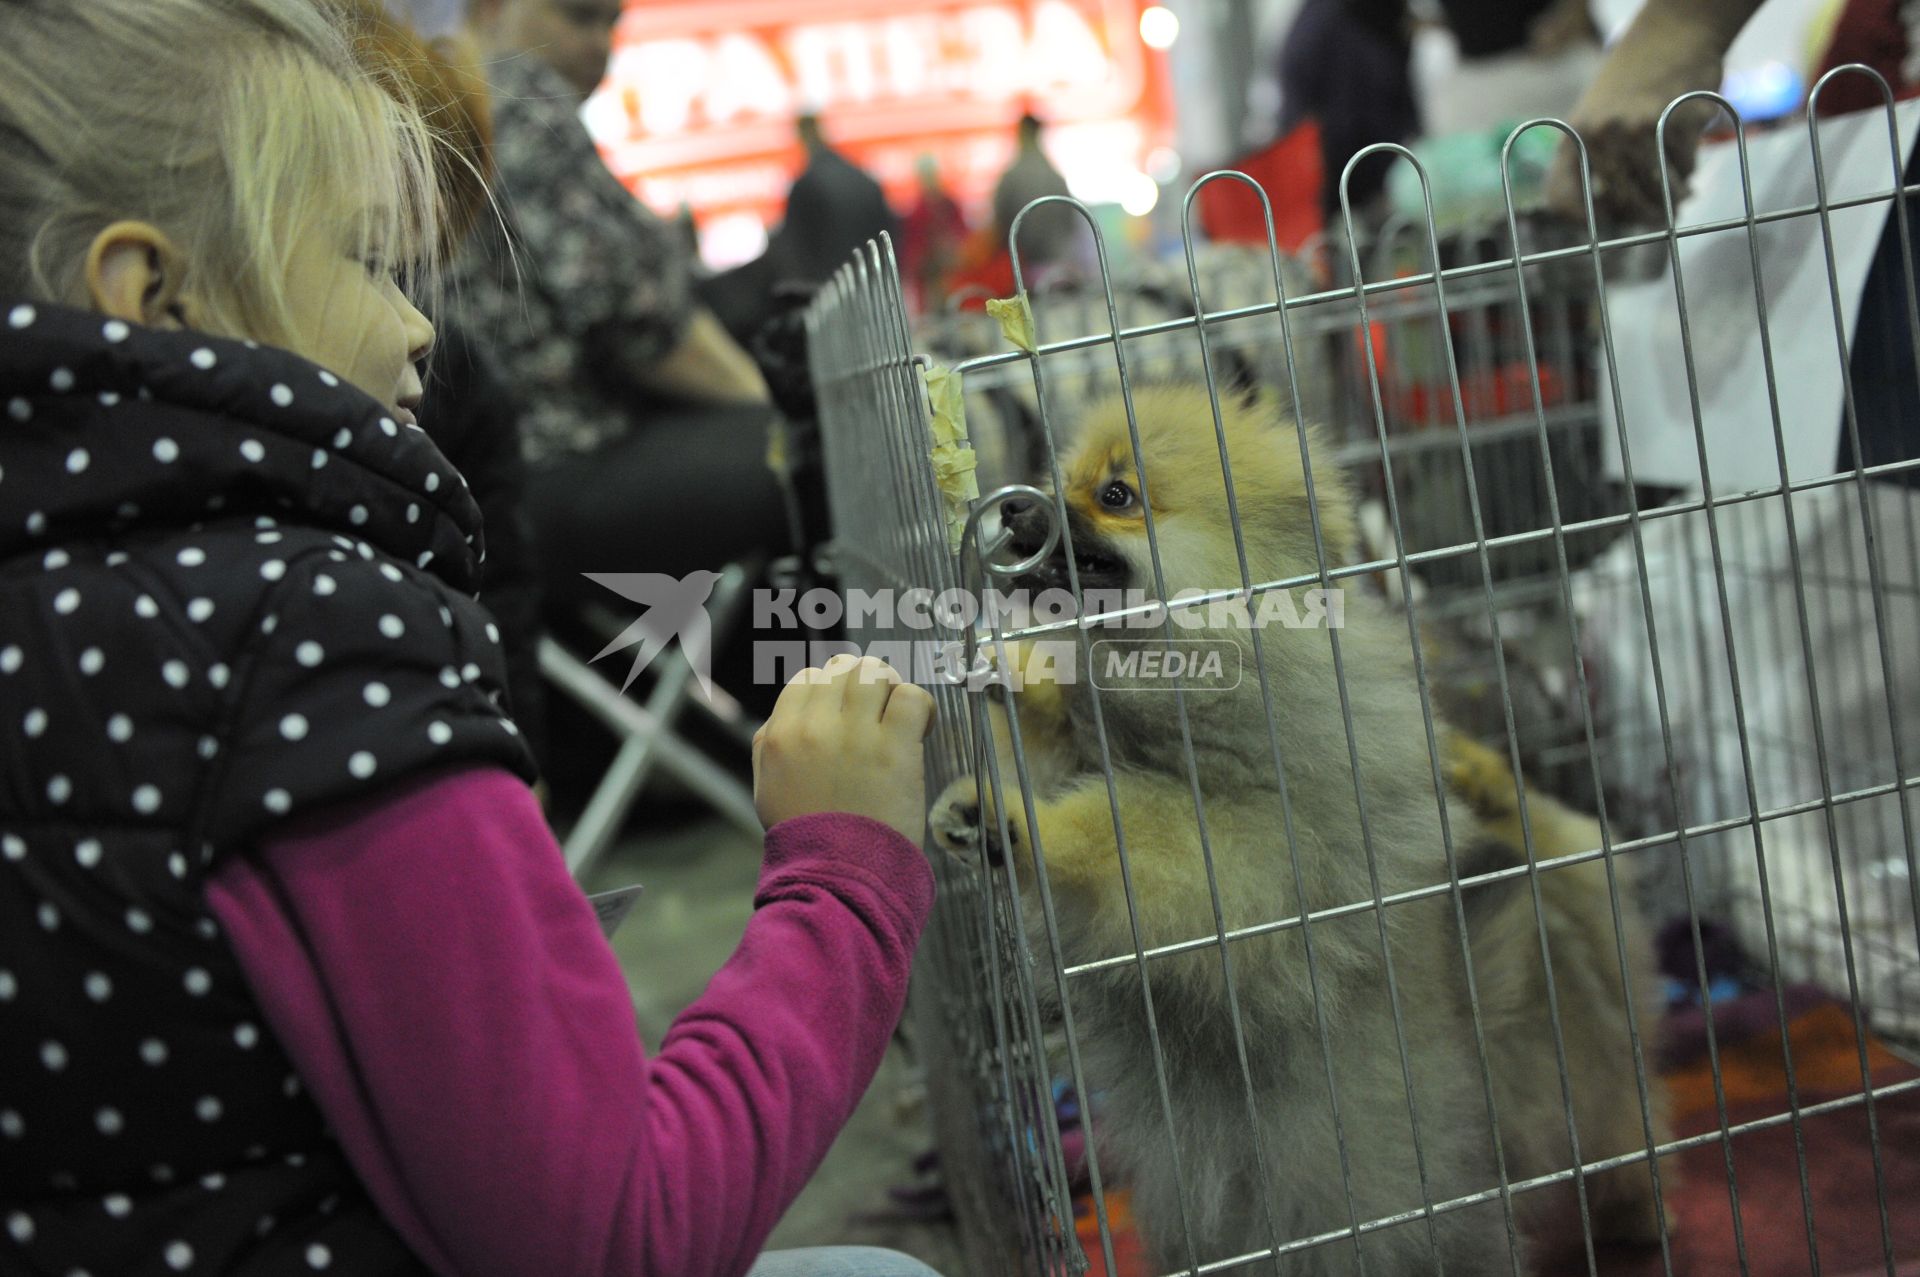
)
(731, 239)
(1159, 27)
(1163, 163)
(1138, 194)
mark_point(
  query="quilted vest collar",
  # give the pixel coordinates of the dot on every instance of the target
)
(106, 426)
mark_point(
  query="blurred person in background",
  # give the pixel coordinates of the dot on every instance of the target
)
(626, 383)
(833, 208)
(931, 237)
(1051, 236)
(1346, 65)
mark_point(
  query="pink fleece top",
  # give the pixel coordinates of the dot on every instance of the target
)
(443, 988)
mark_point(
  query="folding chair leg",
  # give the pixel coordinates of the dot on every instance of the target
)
(729, 714)
(646, 731)
(600, 823)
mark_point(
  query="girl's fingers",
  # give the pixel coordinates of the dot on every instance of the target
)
(869, 683)
(909, 710)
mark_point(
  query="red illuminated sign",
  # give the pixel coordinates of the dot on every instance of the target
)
(700, 99)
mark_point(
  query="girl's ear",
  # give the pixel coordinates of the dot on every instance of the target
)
(134, 273)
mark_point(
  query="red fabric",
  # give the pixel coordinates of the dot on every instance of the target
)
(1290, 172)
(1870, 32)
(1129, 1255)
(443, 988)
(1839, 1160)
(931, 236)
(985, 270)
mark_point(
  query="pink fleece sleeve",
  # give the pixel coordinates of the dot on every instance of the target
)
(444, 990)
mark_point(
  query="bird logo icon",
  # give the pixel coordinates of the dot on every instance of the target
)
(675, 608)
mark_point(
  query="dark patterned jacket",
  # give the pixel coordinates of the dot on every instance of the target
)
(577, 286)
(232, 590)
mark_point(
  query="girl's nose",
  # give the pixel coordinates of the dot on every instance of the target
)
(419, 330)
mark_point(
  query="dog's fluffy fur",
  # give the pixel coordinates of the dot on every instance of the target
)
(1195, 1172)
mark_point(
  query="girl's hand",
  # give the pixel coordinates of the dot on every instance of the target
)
(845, 738)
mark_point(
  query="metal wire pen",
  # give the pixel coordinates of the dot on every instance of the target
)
(1713, 671)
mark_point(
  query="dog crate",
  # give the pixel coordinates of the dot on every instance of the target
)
(1724, 672)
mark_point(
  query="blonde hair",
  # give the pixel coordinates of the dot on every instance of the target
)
(443, 82)
(228, 124)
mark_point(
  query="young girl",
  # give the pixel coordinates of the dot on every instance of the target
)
(292, 978)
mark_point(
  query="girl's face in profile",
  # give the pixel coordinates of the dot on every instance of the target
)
(350, 315)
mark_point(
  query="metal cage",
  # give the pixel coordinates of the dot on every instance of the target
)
(1720, 676)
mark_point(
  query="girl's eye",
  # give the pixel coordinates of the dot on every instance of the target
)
(1116, 495)
(382, 268)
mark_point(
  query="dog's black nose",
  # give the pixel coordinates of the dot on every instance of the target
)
(1026, 522)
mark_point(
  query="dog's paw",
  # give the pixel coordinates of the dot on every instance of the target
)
(954, 821)
(964, 824)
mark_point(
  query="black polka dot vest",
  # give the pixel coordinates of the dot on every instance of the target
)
(232, 590)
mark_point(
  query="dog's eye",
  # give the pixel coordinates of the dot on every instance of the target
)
(1116, 495)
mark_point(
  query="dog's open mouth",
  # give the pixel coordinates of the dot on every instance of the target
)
(1095, 565)
(991, 851)
(1095, 571)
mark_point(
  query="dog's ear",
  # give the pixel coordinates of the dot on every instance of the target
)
(1252, 395)
(1238, 381)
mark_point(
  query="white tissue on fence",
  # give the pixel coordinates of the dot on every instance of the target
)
(1716, 269)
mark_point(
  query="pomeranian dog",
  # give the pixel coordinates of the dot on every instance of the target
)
(1309, 1130)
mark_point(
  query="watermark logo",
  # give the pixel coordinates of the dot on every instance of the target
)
(1191, 665)
(1133, 609)
(675, 609)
